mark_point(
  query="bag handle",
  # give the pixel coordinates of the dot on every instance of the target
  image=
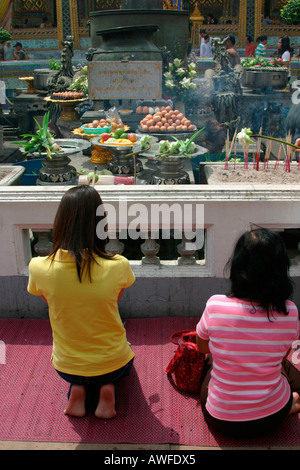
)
(182, 341)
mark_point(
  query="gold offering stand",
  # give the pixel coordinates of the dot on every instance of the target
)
(99, 155)
(69, 112)
(29, 80)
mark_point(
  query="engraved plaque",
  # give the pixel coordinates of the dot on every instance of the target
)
(125, 80)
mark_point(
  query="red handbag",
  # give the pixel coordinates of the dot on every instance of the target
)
(187, 363)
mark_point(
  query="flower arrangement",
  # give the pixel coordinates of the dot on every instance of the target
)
(261, 63)
(80, 82)
(42, 141)
(178, 80)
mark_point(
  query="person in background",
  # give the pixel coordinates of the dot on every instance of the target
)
(211, 19)
(250, 48)
(266, 21)
(233, 55)
(44, 22)
(261, 49)
(248, 384)
(202, 34)
(205, 48)
(285, 52)
(82, 285)
(8, 51)
(19, 54)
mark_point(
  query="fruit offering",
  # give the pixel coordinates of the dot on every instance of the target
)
(119, 137)
(166, 120)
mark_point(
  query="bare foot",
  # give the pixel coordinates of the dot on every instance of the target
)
(106, 405)
(76, 404)
(296, 403)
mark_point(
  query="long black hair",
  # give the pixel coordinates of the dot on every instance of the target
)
(75, 226)
(285, 45)
(259, 270)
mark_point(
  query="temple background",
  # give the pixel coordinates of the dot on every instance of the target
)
(65, 17)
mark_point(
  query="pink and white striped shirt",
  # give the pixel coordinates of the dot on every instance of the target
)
(247, 350)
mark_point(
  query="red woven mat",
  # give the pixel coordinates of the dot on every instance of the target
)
(150, 410)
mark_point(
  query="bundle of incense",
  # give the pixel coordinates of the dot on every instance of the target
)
(267, 155)
(257, 154)
(229, 148)
(276, 166)
(288, 154)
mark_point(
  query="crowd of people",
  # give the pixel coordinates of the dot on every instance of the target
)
(13, 52)
(284, 48)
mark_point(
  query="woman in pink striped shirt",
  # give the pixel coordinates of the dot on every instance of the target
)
(248, 385)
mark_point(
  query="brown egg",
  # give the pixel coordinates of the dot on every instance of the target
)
(163, 128)
(191, 127)
(178, 128)
(151, 128)
(184, 128)
(159, 124)
(170, 121)
(139, 110)
(176, 111)
(149, 116)
(145, 128)
(171, 128)
(180, 116)
(177, 122)
(168, 108)
(145, 110)
(163, 120)
(156, 118)
(156, 128)
(167, 125)
(168, 115)
(188, 123)
(95, 123)
(150, 122)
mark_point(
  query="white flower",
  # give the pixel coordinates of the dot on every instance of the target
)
(164, 146)
(168, 75)
(177, 63)
(170, 84)
(193, 74)
(192, 66)
(180, 71)
(244, 136)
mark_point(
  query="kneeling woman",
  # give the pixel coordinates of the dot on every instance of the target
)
(249, 387)
(82, 285)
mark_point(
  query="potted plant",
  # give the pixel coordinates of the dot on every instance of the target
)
(290, 13)
(56, 168)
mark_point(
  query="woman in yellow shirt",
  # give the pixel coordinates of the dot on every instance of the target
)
(82, 285)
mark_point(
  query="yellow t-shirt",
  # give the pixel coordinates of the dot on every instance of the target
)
(89, 338)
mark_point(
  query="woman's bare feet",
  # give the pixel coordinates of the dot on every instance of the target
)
(76, 404)
(296, 403)
(106, 405)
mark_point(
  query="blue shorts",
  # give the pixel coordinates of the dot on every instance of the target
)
(111, 377)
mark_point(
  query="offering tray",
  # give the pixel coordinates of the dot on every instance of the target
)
(68, 113)
(153, 151)
(68, 146)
